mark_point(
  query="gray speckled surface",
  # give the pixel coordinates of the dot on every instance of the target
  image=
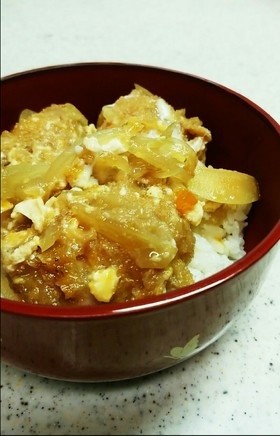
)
(232, 387)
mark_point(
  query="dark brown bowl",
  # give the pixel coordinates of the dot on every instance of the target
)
(121, 341)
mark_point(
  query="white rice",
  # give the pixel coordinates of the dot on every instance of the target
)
(217, 247)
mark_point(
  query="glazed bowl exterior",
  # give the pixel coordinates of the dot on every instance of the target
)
(121, 341)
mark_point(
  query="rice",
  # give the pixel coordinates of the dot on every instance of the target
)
(212, 255)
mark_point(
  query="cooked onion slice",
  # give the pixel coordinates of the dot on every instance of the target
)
(172, 157)
(224, 186)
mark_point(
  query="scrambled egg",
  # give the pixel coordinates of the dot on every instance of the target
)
(33, 208)
(103, 283)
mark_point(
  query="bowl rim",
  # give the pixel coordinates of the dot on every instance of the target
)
(168, 299)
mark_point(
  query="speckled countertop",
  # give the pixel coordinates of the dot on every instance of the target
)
(232, 387)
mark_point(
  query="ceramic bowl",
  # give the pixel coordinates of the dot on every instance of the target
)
(127, 340)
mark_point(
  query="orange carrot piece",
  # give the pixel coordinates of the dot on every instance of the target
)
(185, 201)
